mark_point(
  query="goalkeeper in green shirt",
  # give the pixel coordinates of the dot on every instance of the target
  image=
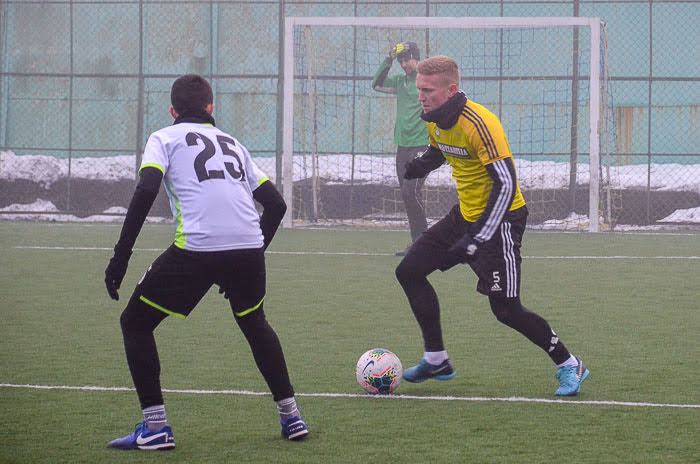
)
(410, 131)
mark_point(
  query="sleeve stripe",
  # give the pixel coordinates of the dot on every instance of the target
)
(152, 165)
(483, 130)
(495, 216)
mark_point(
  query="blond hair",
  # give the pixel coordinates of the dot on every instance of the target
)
(443, 65)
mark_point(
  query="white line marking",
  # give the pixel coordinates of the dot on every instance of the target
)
(514, 399)
(351, 253)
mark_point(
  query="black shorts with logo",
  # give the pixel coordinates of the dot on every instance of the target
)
(498, 260)
(178, 279)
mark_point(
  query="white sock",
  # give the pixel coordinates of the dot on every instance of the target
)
(435, 357)
(572, 361)
(155, 417)
(287, 408)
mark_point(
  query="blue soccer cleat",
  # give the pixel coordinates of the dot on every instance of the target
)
(294, 428)
(144, 439)
(424, 371)
(571, 378)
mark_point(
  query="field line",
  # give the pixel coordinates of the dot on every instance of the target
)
(514, 399)
(349, 253)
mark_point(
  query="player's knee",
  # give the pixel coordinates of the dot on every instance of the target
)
(505, 309)
(138, 316)
(253, 321)
(129, 322)
(410, 273)
(405, 273)
(127, 318)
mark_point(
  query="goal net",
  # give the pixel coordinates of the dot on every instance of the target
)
(545, 78)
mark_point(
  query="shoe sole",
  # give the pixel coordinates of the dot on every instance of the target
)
(158, 448)
(437, 377)
(164, 447)
(297, 436)
(583, 377)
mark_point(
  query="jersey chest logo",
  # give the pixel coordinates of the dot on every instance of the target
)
(458, 152)
(450, 149)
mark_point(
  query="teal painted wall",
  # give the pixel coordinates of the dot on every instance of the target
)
(70, 72)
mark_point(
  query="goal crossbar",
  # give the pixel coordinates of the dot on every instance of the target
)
(594, 23)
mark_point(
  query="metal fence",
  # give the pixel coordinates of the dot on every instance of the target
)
(83, 84)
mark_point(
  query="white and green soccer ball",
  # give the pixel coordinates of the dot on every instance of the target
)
(379, 371)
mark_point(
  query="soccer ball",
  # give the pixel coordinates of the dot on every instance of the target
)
(379, 371)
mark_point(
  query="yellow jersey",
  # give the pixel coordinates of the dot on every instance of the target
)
(474, 142)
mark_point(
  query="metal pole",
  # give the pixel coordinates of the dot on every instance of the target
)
(594, 132)
(311, 83)
(573, 153)
(70, 109)
(280, 99)
(651, 77)
(139, 102)
(288, 121)
(4, 90)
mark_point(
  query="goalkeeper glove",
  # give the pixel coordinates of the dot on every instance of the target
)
(413, 171)
(398, 48)
(465, 249)
(115, 272)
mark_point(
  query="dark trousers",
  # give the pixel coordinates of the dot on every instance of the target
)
(175, 282)
(411, 191)
(498, 269)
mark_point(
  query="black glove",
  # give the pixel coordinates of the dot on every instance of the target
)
(413, 171)
(116, 269)
(465, 249)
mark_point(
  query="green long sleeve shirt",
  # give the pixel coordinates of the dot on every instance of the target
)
(409, 130)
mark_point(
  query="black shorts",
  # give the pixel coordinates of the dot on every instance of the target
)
(498, 260)
(178, 279)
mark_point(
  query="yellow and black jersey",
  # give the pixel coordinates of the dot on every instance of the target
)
(477, 148)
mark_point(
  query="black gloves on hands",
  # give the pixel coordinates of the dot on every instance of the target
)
(465, 249)
(413, 171)
(115, 272)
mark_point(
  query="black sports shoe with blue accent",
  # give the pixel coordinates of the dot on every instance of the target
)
(144, 439)
(294, 428)
(424, 371)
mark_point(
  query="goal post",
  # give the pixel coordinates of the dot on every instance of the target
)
(519, 67)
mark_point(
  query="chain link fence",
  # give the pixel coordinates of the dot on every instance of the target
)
(83, 84)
